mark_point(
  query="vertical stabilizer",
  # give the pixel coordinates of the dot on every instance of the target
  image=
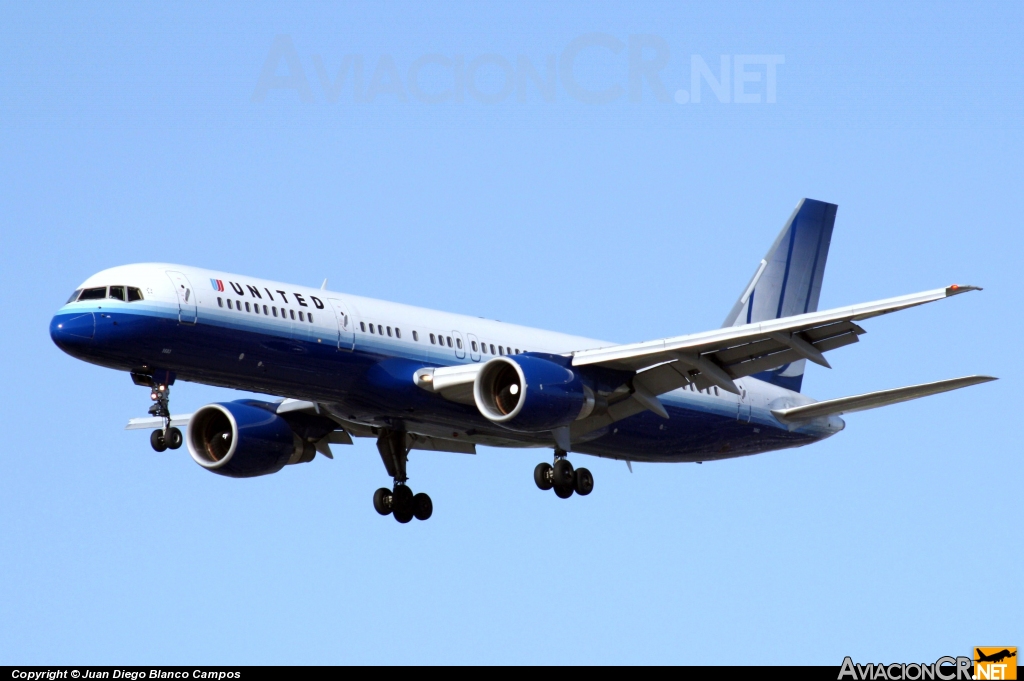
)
(787, 281)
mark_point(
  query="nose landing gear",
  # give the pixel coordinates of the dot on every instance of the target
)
(563, 478)
(399, 501)
(167, 437)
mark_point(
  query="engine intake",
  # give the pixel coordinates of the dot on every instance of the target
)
(240, 440)
(531, 394)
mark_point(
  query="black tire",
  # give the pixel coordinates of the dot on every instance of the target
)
(561, 473)
(382, 501)
(563, 491)
(174, 438)
(542, 476)
(156, 440)
(584, 482)
(422, 506)
(401, 502)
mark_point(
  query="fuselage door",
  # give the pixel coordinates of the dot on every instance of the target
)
(460, 345)
(346, 332)
(188, 312)
(474, 347)
(743, 406)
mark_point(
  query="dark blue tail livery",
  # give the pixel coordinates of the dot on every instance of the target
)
(788, 280)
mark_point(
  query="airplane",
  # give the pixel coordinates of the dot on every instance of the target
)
(994, 657)
(345, 366)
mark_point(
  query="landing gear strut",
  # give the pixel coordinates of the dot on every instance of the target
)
(399, 501)
(563, 478)
(167, 437)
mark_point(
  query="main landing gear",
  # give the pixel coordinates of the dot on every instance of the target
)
(399, 501)
(167, 437)
(562, 478)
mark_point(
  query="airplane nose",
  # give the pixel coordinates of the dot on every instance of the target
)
(70, 330)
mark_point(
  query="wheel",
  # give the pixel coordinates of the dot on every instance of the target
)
(561, 473)
(563, 491)
(382, 501)
(404, 514)
(584, 482)
(174, 438)
(156, 439)
(422, 506)
(542, 476)
(401, 500)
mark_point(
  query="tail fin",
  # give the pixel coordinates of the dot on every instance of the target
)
(788, 280)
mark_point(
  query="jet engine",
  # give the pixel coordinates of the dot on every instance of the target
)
(245, 439)
(531, 394)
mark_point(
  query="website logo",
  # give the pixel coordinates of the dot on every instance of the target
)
(995, 663)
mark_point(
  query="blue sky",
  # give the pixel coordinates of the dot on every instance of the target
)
(139, 132)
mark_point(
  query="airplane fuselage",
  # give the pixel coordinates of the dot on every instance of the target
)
(357, 356)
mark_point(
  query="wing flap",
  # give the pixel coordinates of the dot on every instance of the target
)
(154, 422)
(881, 398)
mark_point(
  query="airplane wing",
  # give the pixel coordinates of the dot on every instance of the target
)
(342, 436)
(881, 398)
(719, 357)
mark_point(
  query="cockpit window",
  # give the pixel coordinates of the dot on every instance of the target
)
(94, 293)
(116, 292)
(74, 296)
(134, 294)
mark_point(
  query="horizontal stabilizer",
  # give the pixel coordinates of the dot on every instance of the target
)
(881, 398)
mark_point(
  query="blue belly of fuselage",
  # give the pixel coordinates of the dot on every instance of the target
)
(372, 384)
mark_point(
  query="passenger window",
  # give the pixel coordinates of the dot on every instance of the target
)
(716, 391)
(398, 332)
(371, 329)
(220, 302)
(458, 342)
(389, 332)
(492, 349)
(265, 310)
(362, 326)
(431, 339)
(380, 330)
(94, 293)
(517, 351)
(274, 310)
(449, 341)
(416, 336)
(116, 292)
(247, 306)
(501, 350)
(229, 304)
(473, 345)
(292, 313)
(309, 317)
(301, 317)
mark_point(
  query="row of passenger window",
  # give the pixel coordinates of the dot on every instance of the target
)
(125, 293)
(707, 391)
(379, 330)
(267, 310)
(438, 339)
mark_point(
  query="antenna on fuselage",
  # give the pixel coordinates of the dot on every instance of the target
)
(323, 286)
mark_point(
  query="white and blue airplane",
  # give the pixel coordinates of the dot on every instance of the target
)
(413, 378)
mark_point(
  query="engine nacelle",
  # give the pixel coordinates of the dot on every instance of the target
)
(241, 440)
(531, 394)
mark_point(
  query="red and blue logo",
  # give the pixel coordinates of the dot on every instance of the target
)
(218, 285)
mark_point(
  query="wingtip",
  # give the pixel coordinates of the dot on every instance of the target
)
(956, 289)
